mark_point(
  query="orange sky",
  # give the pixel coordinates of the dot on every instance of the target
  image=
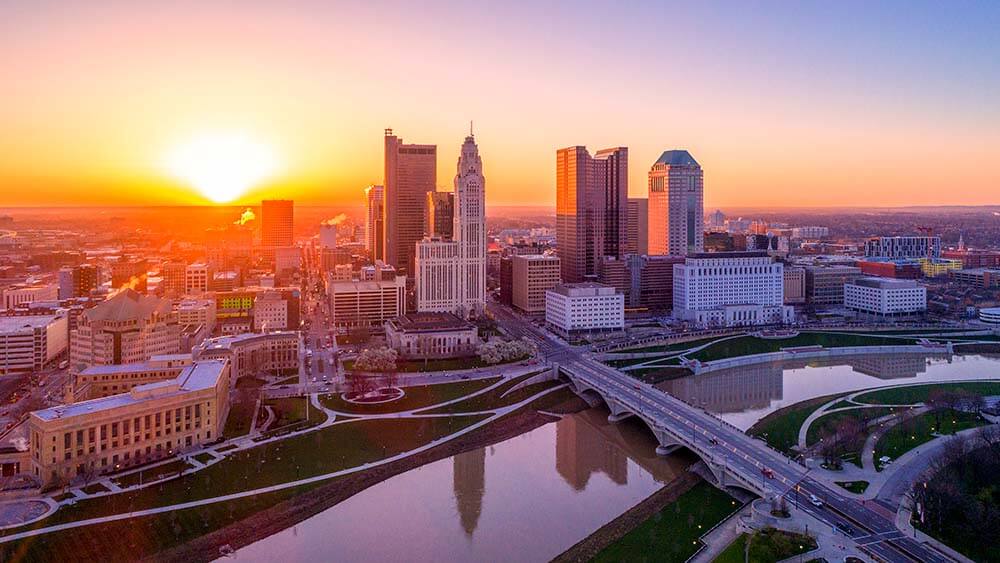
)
(96, 93)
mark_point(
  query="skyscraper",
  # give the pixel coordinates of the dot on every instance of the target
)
(275, 225)
(451, 273)
(410, 172)
(440, 214)
(591, 209)
(470, 225)
(676, 205)
(637, 226)
(375, 222)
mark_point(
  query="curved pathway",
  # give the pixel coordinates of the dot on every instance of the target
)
(496, 414)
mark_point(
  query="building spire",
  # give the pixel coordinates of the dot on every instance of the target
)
(470, 129)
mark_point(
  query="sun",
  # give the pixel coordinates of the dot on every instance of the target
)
(222, 166)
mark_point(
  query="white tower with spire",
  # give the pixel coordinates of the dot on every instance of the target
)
(470, 225)
(451, 273)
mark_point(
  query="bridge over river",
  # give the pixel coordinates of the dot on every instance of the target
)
(734, 458)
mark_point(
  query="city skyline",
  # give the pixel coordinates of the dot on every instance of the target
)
(772, 102)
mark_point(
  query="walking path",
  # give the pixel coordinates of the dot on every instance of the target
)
(496, 414)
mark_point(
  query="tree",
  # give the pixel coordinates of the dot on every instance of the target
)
(498, 351)
(381, 359)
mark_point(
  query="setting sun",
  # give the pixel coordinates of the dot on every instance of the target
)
(222, 166)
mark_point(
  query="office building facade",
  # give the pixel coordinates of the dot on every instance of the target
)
(676, 205)
(375, 222)
(531, 277)
(410, 171)
(885, 298)
(730, 289)
(584, 307)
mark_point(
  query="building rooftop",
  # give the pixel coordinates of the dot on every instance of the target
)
(203, 374)
(732, 254)
(127, 304)
(677, 158)
(222, 342)
(582, 289)
(428, 322)
(885, 283)
(14, 324)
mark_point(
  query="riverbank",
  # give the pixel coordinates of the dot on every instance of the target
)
(588, 548)
(307, 503)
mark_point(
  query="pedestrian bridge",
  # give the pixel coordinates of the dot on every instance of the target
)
(675, 425)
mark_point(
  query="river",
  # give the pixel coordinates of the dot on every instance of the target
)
(533, 496)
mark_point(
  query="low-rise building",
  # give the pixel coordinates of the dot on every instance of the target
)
(17, 295)
(103, 381)
(428, 336)
(935, 267)
(990, 315)
(151, 421)
(127, 328)
(251, 354)
(825, 284)
(584, 307)
(197, 312)
(531, 276)
(197, 277)
(901, 268)
(366, 303)
(730, 289)
(794, 286)
(885, 298)
(29, 342)
(980, 277)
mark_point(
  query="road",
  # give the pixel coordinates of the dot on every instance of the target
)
(869, 525)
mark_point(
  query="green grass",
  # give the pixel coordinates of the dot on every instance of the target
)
(841, 405)
(451, 364)
(767, 545)
(672, 534)
(415, 398)
(829, 422)
(920, 393)
(94, 488)
(919, 430)
(152, 473)
(249, 383)
(292, 410)
(749, 345)
(330, 449)
(675, 347)
(656, 375)
(780, 429)
(239, 420)
(204, 457)
(856, 487)
(489, 400)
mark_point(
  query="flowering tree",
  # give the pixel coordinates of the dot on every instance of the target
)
(376, 359)
(499, 351)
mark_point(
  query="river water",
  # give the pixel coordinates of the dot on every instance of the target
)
(533, 496)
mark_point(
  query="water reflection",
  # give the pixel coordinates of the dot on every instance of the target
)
(526, 499)
(746, 394)
(469, 470)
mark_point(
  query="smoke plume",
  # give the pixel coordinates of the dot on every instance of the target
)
(336, 220)
(245, 217)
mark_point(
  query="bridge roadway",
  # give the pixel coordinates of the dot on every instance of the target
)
(735, 458)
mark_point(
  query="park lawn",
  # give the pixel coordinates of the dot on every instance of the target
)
(919, 430)
(672, 534)
(249, 383)
(334, 448)
(94, 488)
(451, 364)
(856, 487)
(152, 473)
(829, 422)
(417, 397)
(292, 410)
(920, 393)
(768, 544)
(780, 429)
(204, 457)
(240, 418)
(750, 345)
(656, 375)
(484, 401)
(675, 347)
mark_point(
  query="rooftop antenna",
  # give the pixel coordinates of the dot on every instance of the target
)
(470, 128)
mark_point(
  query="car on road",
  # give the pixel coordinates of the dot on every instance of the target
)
(769, 473)
(814, 500)
(713, 441)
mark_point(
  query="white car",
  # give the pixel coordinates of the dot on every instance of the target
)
(814, 500)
